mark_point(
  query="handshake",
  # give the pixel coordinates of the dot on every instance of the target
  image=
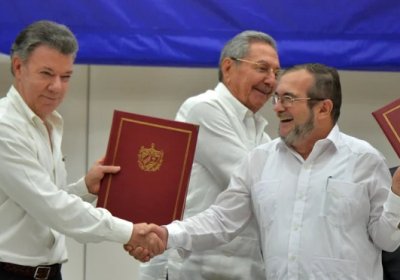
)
(147, 241)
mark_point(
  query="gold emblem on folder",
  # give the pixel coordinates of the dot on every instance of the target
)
(150, 159)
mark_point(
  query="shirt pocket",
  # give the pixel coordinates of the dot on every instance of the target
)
(340, 202)
(264, 197)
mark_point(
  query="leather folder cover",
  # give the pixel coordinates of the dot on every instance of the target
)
(156, 157)
(388, 118)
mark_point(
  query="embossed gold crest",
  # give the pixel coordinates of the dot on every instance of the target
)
(150, 159)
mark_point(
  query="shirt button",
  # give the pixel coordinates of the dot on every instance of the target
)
(300, 196)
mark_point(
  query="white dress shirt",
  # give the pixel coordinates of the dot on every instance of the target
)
(326, 217)
(224, 140)
(37, 207)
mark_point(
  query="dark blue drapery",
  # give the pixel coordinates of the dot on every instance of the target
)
(362, 34)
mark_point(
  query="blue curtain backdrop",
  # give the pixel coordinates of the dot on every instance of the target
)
(362, 34)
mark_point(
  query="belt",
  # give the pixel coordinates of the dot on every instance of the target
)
(40, 272)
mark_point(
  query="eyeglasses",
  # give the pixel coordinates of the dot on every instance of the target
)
(287, 100)
(260, 67)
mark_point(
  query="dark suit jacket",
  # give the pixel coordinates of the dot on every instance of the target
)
(391, 261)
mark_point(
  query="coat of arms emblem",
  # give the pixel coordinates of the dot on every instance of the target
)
(150, 159)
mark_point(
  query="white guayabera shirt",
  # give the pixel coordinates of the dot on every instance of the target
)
(37, 207)
(224, 140)
(326, 217)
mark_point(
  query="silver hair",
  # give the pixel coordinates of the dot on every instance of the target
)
(239, 46)
(44, 32)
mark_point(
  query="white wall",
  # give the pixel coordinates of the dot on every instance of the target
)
(97, 90)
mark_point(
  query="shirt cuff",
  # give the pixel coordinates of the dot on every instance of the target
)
(392, 207)
(393, 203)
(173, 230)
(121, 230)
(78, 188)
(82, 191)
(178, 239)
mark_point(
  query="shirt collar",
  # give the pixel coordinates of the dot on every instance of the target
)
(333, 138)
(16, 98)
(236, 106)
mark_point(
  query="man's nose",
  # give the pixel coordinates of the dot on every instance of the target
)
(55, 84)
(277, 106)
(270, 79)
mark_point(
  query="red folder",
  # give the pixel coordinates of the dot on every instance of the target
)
(388, 118)
(156, 157)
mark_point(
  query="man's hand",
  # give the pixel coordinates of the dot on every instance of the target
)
(396, 182)
(96, 173)
(147, 241)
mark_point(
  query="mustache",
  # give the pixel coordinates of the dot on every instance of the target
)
(284, 115)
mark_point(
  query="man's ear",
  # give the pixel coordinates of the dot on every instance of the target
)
(325, 108)
(16, 64)
(226, 67)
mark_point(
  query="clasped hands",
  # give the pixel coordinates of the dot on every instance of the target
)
(147, 241)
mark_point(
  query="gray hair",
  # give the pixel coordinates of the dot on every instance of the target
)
(44, 32)
(326, 85)
(238, 46)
